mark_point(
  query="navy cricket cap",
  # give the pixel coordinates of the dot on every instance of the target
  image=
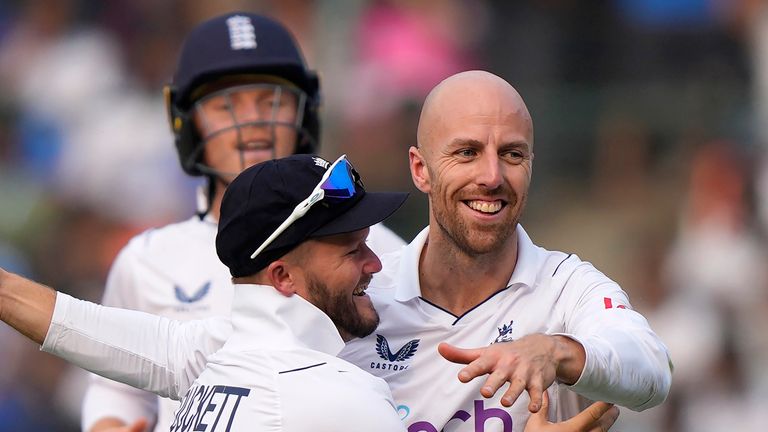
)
(239, 43)
(263, 196)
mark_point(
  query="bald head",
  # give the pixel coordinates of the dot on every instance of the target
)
(478, 96)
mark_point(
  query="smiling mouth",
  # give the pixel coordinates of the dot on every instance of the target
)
(360, 290)
(255, 145)
(487, 207)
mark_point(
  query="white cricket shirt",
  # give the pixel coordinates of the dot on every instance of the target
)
(172, 272)
(549, 292)
(278, 371)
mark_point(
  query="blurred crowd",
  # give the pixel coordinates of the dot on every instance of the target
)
(651, 124)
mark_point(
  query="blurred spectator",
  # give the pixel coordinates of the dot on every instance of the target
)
(718, 296)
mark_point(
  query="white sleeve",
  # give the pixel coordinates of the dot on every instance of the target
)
(626, 362)
(106, 398)
(145, 351)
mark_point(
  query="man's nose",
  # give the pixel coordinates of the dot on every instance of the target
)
(373, 263)
(489, 171)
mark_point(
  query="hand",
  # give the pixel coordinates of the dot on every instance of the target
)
(114, 425)
(598, 417)
(530, 363)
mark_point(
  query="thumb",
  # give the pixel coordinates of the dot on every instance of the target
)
(458, 355)
(538, 419)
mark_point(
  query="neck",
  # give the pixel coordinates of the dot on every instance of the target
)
(456, 281)
(218, 195)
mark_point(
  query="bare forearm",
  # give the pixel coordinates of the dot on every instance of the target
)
(26, 306)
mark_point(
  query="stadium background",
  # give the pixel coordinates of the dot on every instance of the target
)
(651, 130)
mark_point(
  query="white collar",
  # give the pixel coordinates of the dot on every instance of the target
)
(529, 259)
(262, 317)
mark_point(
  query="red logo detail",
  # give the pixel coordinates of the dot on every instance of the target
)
(609, 304)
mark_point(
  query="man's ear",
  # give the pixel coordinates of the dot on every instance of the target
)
(282, 276)
(419, 171)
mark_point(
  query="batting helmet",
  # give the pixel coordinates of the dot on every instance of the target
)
(235, 44)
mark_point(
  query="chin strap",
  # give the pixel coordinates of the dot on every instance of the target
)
(205, 193)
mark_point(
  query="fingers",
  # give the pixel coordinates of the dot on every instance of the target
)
(535, 393)
(515, 389)
(538, 419)
(477, 365)
(596, 416)
(458, 355)
(606, 420)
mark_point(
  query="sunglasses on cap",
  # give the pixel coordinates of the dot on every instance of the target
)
(338, 182)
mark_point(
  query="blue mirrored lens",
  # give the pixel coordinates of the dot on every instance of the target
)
(340, 183)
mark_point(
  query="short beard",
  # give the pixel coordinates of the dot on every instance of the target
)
(474, 243)
(341, 310)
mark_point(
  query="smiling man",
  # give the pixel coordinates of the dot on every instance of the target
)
(474, 278)
(293, 235)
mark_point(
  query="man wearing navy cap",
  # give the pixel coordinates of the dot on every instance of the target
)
(293, 235)
(241, 94)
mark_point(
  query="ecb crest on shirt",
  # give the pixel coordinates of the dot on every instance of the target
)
(505, 333)
(394, 361)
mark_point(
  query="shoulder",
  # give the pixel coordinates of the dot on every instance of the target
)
(157, 239)
(568, 266)
(191, 239)
(581, 283)
(163, 269)
(584, 272)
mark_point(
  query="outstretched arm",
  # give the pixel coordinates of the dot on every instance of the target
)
(26, 306)
(142, 350)
(606, 351)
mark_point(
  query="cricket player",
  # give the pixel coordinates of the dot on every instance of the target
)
(241, 94)
(540, 320)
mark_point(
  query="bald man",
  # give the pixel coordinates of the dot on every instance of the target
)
(544, 320)
(474, 278)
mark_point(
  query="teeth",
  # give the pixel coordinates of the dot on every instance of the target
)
(359, 290)
(485, 206)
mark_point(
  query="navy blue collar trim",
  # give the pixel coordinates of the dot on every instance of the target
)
(470, 310)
